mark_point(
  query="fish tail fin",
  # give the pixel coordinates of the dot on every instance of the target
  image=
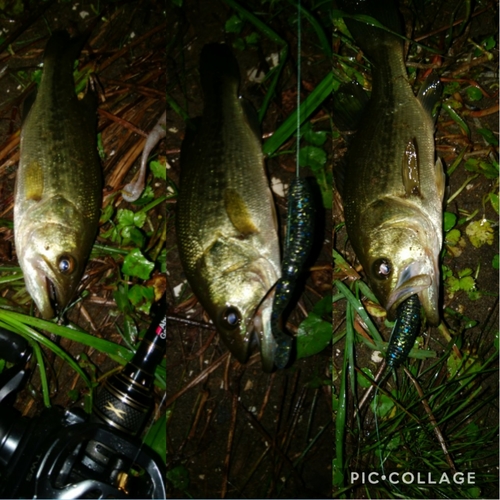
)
(59, 57)
(372, 36)
(218, 66)
(62, 50)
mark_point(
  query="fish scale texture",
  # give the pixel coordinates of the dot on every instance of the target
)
(59, 180)
(225, 219)
(392, 186)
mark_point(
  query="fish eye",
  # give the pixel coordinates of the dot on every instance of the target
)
(231, 317)
(66, 264)
(382, 268)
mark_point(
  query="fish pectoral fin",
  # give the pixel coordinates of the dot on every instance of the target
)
(410, 171)
(33, 181)
(238, 213)
(440, 179)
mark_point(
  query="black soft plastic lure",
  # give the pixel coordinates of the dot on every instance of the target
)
(298, 244)
(405, 332)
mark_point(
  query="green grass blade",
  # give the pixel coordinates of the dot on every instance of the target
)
(359, 308)
(307, 107)
(13, 323)
(323, 39)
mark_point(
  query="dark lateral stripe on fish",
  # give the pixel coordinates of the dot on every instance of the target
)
(405, 331)
(298, 244)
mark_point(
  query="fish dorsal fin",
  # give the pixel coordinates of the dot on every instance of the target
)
(440, 179)
(410, 172)
(33, 183)
(430, 93)
(238, 213)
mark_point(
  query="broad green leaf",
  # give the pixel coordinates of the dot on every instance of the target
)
(324, 306)
(363, 381)
(121, 298)
(312, 157)
(489, 170)
(474, 94)
(452, 237)
(107, 213)
(315, 138)
(135, 264)
(141, 297)
(450, 219)
(253, 38)
(382, 406)
(233, 24)
(130, 233)
(313, 335)
(495, 262)
(489, 136)
(125, 217)
(158, 169)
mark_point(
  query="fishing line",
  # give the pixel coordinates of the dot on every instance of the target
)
(299, 45)
(375, 407)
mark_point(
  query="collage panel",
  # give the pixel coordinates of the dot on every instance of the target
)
(415, 274)
(82, 249)
(249, 251)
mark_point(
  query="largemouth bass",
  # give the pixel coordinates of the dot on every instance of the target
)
(226, 220)
(58, 186)
(392, 187)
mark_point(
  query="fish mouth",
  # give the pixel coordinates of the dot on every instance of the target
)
(42, 287)
(52, 295)
(418, 278)
(259, 327)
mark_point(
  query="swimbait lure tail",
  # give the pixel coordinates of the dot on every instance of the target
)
(298, 244)
(405, 331)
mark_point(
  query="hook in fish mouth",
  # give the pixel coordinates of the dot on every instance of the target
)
(259, 326)
(52, 294)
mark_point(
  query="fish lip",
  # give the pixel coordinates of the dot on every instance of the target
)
(48, 301)
(418, 277)
(259, 325)
(415, 285)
